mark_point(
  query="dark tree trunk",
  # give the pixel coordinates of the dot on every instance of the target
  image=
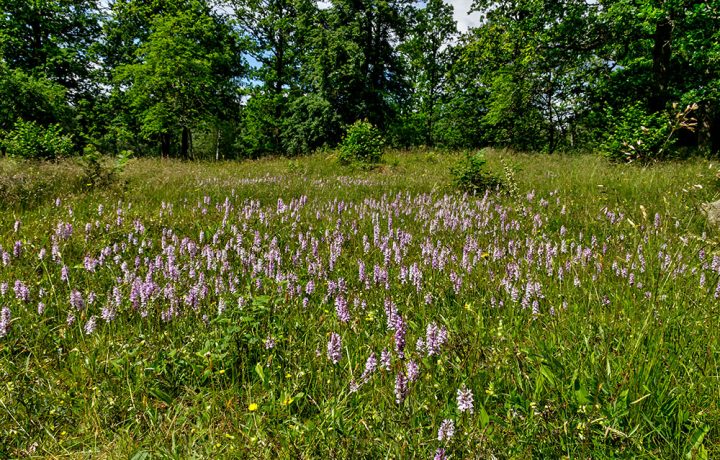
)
(661, 54)
(165, 145)
(551, 125)
(714, 134)
(185, 144)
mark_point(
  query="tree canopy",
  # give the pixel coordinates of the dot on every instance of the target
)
(245, 78)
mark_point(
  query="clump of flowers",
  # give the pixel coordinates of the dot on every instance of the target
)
(401, 387)
(465, 399)
(446, 430)
(4, 321)
(334, 348)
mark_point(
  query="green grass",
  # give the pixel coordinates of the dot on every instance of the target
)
(601, 367)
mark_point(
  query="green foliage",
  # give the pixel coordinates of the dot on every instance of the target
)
(30, 97)
(312, 124)
(362, 144)
(169, 76)
(636, 135)
(52, 37)
(470, 174)
(98, 170)
(427, 49)
(30, 140)
(183, 75)
(258, 129)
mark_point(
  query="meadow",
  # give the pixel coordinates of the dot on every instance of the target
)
(298, 309)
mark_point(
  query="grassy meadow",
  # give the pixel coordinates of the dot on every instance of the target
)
(297, 309)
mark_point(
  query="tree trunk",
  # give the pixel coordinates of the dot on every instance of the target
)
(551, 125)
(714, 134)
(278, 88)
(661, 54)
(185, 144)
(217, 146)
(165, 145)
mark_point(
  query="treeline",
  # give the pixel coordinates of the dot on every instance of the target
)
(635, 79)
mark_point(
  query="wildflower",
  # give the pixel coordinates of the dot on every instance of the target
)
(90, 325)
(333, 348)
(76, 300)
(401, 388)
(64, 274)
(108, 314)
(341, 309)
(21, 291)
(385, 359)
(370, 366)
(413, 370)
(354, 386)
(440, 454)
(252, 407)
(400, 330)
(465, 399)
(420, 345)
(310, 287)
(4, 321)
(435, 338)
(269, 343)
(446, 430)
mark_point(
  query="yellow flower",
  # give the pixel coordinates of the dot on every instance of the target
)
(252, 407)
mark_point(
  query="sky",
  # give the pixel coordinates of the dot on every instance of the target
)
(464, 20)
(460, 11)
(460, 7)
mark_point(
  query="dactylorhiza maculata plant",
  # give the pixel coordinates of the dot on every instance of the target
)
(377, 296)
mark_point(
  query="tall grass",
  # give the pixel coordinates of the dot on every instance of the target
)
(188, 311)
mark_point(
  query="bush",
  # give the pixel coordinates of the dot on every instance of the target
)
(636, 135)
(362, 144)
(100, 171)
(312, 124)
(471, 175)
(31, 140)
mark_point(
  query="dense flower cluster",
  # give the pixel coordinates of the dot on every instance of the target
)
(374, 275)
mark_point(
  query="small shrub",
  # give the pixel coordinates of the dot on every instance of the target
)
(98, 171)
(362, 144)
(510, 182)
(470, 174)
(30, 140)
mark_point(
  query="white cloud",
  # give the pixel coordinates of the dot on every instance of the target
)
(464, 20)
(460, 12)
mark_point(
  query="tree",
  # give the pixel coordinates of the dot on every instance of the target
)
(665, 53)
(353, 61)
(427, 52)
(537, 58)
(184, 75)
(51, 37)
(31, 98)
(276, 35)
